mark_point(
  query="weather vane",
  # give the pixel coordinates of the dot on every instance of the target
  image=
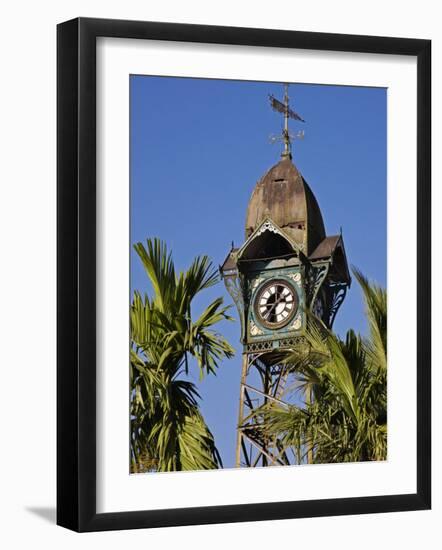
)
(286, 136)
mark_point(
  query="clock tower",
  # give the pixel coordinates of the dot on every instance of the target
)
(286, 267)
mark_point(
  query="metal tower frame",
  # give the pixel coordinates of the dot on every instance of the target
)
(254, 446)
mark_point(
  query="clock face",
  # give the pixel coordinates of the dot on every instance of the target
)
(276, 304)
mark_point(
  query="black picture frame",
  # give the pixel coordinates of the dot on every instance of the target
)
(76, 274)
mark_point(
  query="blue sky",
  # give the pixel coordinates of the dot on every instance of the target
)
(197, 149)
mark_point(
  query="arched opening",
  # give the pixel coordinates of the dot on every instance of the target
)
(268, 246)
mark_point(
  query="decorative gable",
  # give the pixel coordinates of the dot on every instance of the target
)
(267, 242)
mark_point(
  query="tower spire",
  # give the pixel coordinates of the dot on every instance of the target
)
(284, 108)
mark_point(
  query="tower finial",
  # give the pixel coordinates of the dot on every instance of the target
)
(286, 135)
(284, 108)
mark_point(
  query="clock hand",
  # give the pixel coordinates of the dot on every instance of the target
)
(277, 301)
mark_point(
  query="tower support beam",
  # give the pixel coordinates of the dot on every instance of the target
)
(255, 446)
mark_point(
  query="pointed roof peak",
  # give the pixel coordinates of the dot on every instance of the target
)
(283, 195)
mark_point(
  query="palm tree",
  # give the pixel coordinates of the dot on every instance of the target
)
(168, 432)
(346, 419)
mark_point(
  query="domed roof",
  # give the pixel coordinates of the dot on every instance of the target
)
(283, 195)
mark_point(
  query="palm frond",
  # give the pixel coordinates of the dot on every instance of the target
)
(376, 310)
(168, 431)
